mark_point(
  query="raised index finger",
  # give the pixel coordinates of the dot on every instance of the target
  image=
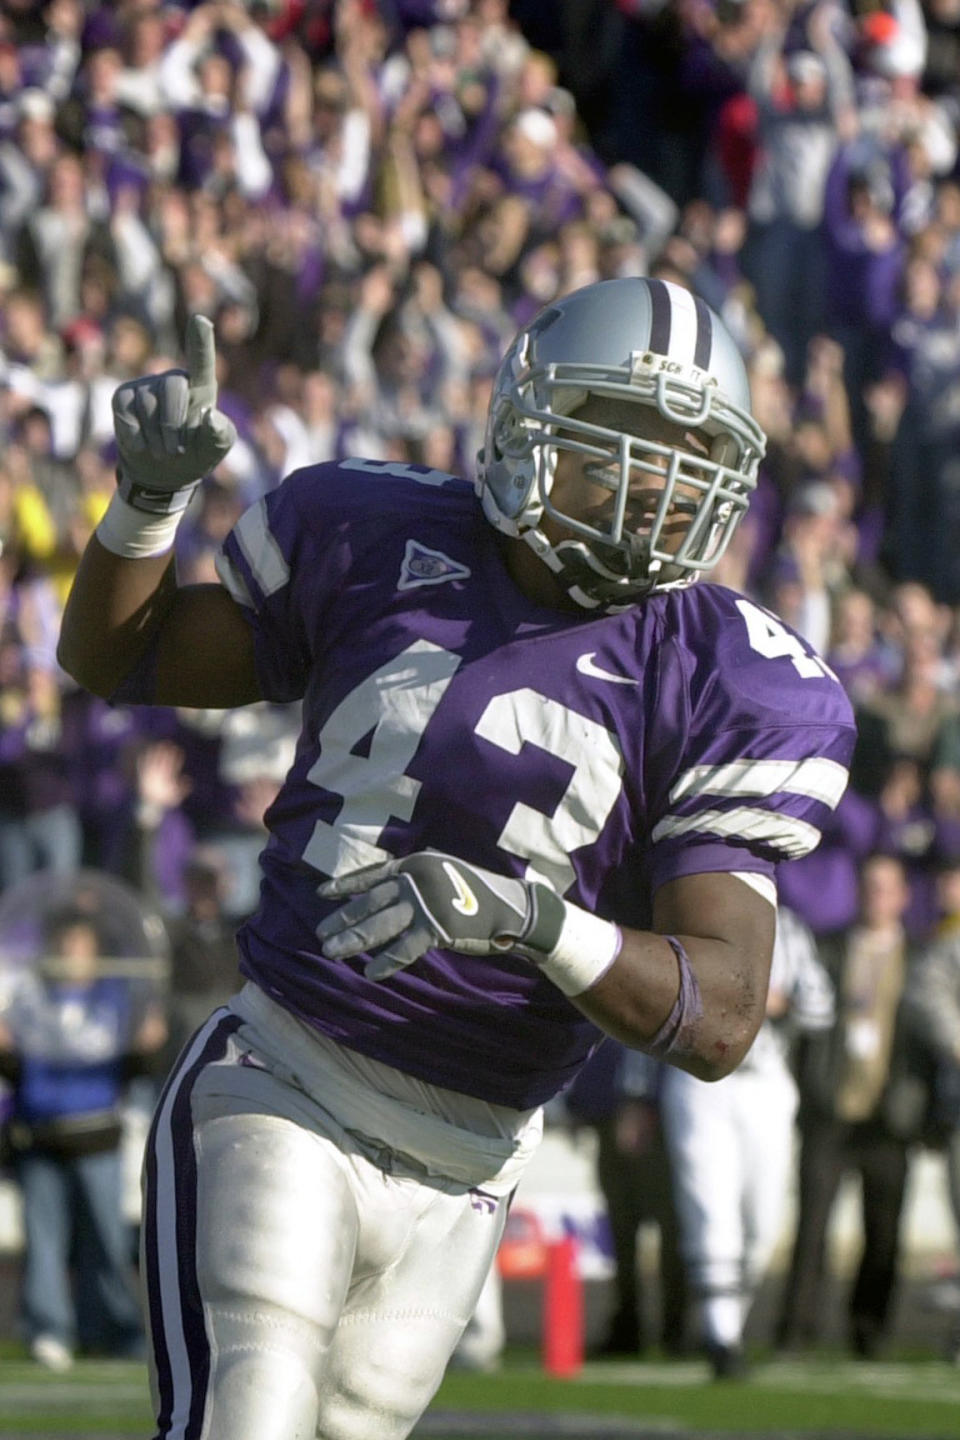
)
(201, 364)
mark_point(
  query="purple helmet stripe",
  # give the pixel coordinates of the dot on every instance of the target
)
(704, 342)
(176, 1309)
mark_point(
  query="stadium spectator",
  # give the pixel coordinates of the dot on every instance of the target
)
(617, 1094)
(866, 248)
(823, 888)
(60, 239)
(854, 651)
(922, 521)
(933, 999)
(68, 1036)
(917, 716)
(203, 952)
(809, 566)
(907, 828)
(27, 154)
(39, 824)
(862, 1107)
(804, 99)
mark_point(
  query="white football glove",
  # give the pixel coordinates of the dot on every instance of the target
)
(430, 899)
(169, 432)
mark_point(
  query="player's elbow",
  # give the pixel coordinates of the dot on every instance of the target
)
(719, 1044)
(720, 1057)
(712, 1043)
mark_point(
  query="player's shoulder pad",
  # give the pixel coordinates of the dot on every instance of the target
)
(741, 657)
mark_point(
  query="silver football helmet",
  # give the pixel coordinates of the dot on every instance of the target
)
(632, 342)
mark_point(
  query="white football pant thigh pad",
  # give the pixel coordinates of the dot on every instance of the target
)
(276, 1235)
(294, 1288)
(402, 1321)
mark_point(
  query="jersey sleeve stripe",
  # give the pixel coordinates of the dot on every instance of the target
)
(268, 565)
(792, 837)
(816, 778)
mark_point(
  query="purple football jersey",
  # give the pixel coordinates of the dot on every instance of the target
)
(443, 710)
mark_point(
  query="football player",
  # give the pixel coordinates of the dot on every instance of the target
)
(541, 790)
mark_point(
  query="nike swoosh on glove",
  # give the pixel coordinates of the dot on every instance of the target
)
(169, 432)
(430, 899)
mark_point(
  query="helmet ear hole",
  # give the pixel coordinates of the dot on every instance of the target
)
(510, 435)
(503, 436)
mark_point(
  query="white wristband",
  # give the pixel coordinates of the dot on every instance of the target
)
(586, 949)
(136, 534)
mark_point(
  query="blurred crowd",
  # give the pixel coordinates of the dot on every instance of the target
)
(367, 196)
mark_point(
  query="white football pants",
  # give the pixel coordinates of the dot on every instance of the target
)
(303, 1279)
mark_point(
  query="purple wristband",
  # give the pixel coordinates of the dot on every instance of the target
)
(671, 1038)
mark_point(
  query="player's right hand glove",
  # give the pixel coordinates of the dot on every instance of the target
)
(169, 432)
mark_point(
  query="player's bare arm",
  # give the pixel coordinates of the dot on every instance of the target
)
(201, 646)
(695, 999)
(726, 930)
(126, 606)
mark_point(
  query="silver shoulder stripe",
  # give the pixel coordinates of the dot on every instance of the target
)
(792, 837)
(819, 779)
(233, 581)
(260, 549)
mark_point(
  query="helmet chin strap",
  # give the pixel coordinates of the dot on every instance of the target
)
(580, 577)
(587, 587)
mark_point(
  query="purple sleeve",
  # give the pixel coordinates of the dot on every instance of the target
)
(279, 565)
(764, 743)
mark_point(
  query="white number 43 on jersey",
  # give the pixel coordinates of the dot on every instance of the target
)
(771, 639)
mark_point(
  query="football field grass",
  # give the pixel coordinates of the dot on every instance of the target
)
(823, 1397)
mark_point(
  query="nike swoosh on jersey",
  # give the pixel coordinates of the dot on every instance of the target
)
(586, 666)
(466, 901)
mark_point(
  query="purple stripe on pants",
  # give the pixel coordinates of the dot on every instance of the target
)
(173, 1116)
